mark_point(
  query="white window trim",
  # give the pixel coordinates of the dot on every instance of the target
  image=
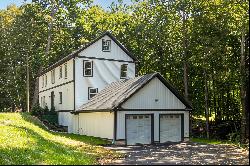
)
(60, 72)
(90, 68)
(90, 88)
(65, 70)
(125, 71)
(60, 98)
(104, 43)
(46, 80)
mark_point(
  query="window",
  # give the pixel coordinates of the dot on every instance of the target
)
(124, 68)
(106, 45)
(60, 72)
(42, 81)
(46, 80)
(53, 76)
(65, 67)
(60, 94)
(88, 68)
(43, 101)
(92, 92)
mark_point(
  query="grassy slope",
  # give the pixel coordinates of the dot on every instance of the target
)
(23, 140)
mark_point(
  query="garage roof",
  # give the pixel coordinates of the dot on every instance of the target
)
(116, 93)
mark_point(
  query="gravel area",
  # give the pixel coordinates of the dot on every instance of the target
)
(187, 153)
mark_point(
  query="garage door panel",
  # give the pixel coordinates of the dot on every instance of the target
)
(170, 128)
(138, 129)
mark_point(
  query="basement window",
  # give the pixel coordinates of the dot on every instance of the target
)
(92, 92)
(124, 69)
(88, 68)
(106, 45)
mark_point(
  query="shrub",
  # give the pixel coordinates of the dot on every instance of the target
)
(37, 110)
(50, 115)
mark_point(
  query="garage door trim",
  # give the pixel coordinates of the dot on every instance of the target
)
(152, 126)
(182, 125)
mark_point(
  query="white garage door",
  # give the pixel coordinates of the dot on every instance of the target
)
(138, 128)
(170, 128)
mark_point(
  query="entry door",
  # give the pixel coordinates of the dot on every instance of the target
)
(170, 128)
(52, 96)
(138, 129)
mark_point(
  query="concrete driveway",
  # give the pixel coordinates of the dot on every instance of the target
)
(182, 153)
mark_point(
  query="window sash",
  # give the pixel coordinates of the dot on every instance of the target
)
(66, 72)
(88, 68)
(92, 92)
(46, 80)
(60, 72)
(60, 97)
(124, 70)
(53, 76)
(106, 45)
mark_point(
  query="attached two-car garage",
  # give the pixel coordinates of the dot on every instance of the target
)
(142, 110)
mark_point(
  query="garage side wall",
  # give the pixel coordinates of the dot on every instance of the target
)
(97, 124)
(121, 122)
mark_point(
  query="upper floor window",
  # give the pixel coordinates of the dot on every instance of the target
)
(60, 72)
(66, 72)
(88, 68)
(106, 45)
(60, 99)
(46, 80)
(53, 76)
(42, 81)
(124, 70)
(92, 92)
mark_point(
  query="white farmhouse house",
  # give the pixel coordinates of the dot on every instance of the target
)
(96, 92)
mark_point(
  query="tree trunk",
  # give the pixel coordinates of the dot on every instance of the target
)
(36, 90)
(243, 88)
(206, 104)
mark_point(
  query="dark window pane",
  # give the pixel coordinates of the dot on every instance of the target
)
(87, 72)
(87, 65)
(93, 90)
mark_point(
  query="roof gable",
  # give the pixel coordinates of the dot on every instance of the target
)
(117, 93)
(76, 52)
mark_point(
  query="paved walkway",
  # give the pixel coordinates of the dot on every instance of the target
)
(183, 153)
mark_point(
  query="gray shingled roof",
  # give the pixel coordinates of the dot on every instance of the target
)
(118, 92)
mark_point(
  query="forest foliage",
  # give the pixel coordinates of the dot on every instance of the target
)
(200, 38)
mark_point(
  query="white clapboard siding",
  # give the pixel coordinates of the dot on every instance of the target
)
(104, 73)
(64, 118)
(155, 95)
(67, 97)
(58, 81)
(95, 50)
(121, 122)
(97, 124)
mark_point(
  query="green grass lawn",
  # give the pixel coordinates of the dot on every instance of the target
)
(23, 140)
(209, 141)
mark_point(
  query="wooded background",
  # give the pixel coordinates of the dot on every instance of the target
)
(201, 47)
